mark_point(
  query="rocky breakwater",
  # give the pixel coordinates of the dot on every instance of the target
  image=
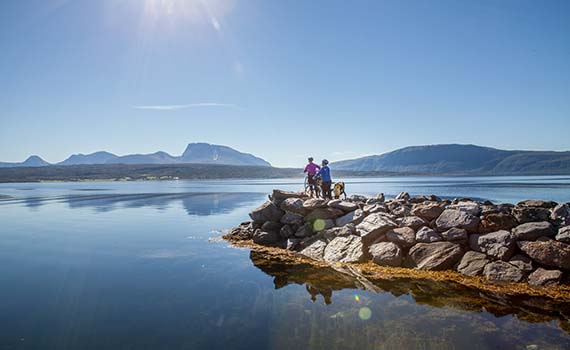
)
(527, 242)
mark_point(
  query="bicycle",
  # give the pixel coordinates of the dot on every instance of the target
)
(314, 188)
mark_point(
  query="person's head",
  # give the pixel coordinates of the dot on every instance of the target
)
(325, 162)
(310, 159)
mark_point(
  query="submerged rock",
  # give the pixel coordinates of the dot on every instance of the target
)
(435, 256)
(472, 263)
(386, 254)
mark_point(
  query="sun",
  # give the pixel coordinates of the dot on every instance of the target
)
(188, 10)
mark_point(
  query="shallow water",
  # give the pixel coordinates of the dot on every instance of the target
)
(133, 265)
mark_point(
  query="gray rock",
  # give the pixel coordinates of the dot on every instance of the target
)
(563, 234)
(279, 196)
(414, 222)
(472, 208)
(324, 213)
(427, 211)
(345, 206)
(456, 218)
(497, 221)
(524, 263)
(532, 230)
(435, 256)
(380, 197)
(455, 235)
(292, 243)
(386, 254)
(401, 211)
(292, 219)
(354, 217)
(357, 198)
(374, 226)
(427, 235)
(525, 214)
(315, 251)
(403, 196)
(404, 237)
(550, 253)
(286, 231)
(334, 232)
(561, 214)
(501, 271)
(304, 231)
(294, 205)
(375, 208)
(537, 203)
(314, 203)
(271, 226)
(347, 249)
(266, 238)
(542, 277)
(266, 212)
(472, 263)
(499, 245)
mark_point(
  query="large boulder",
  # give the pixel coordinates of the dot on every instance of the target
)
(414, 222)
(286, 231)
(315, 251)
(266, 238)
(292, 219)
(542, 277)
(549, 253)
(525, 214)
(455, 234)
(279, 196)
(532, 230)
(457, 218)
(354, 217)
(314, 203)
(472, 263)
(323, 214)
(334, 232)
(349, 249)
(498, 245)
(345, 206)
(497, 221)
(294, 205)
(472, 208)
(374, 226)
(427, 211)
(401, 211)
(386, 254)
(561, 214)
(403, 196)
(537, 203)
(305, 230)
(375, 208)
(266, 212)
(271, 226)
(523, 262)
(404, 237)
(563, 234)
(435, 256)
(501, 271)
(427, 235)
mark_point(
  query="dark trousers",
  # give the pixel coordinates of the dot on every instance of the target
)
(327, 189)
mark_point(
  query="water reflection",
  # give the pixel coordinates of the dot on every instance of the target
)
(326, 281)
(195, 204)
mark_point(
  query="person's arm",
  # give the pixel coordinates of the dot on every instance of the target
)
(306, 168)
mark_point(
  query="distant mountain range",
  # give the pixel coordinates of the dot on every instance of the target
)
(457, 159)
(195, 153)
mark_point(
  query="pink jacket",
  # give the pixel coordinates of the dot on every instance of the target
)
(312, 169)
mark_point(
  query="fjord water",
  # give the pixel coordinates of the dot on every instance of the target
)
(135, 265)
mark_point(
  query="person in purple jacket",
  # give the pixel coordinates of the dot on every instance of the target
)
(311, 170)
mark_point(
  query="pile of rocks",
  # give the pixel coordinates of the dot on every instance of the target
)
(528, 242)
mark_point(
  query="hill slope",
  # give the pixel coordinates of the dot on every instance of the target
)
(462, 160)
(32, 161)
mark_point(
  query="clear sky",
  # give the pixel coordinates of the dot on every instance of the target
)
(281, 79)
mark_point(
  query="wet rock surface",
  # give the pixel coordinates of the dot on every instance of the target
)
(527, 242)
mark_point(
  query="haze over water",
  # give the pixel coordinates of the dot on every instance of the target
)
(134, 265)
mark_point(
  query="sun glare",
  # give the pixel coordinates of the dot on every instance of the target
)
(189, 10)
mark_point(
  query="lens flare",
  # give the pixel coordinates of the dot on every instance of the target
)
(364, 313)
(357, 297)
(319, 225)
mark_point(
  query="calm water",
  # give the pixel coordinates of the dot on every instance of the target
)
(133, 266)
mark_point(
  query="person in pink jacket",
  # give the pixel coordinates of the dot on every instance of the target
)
(311, 170)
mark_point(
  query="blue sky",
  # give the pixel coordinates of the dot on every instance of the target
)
(281, 79)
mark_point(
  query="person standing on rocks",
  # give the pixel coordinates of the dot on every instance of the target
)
(311, 169)
(325, 175)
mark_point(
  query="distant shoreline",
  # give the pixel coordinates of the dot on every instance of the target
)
(161, 172)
